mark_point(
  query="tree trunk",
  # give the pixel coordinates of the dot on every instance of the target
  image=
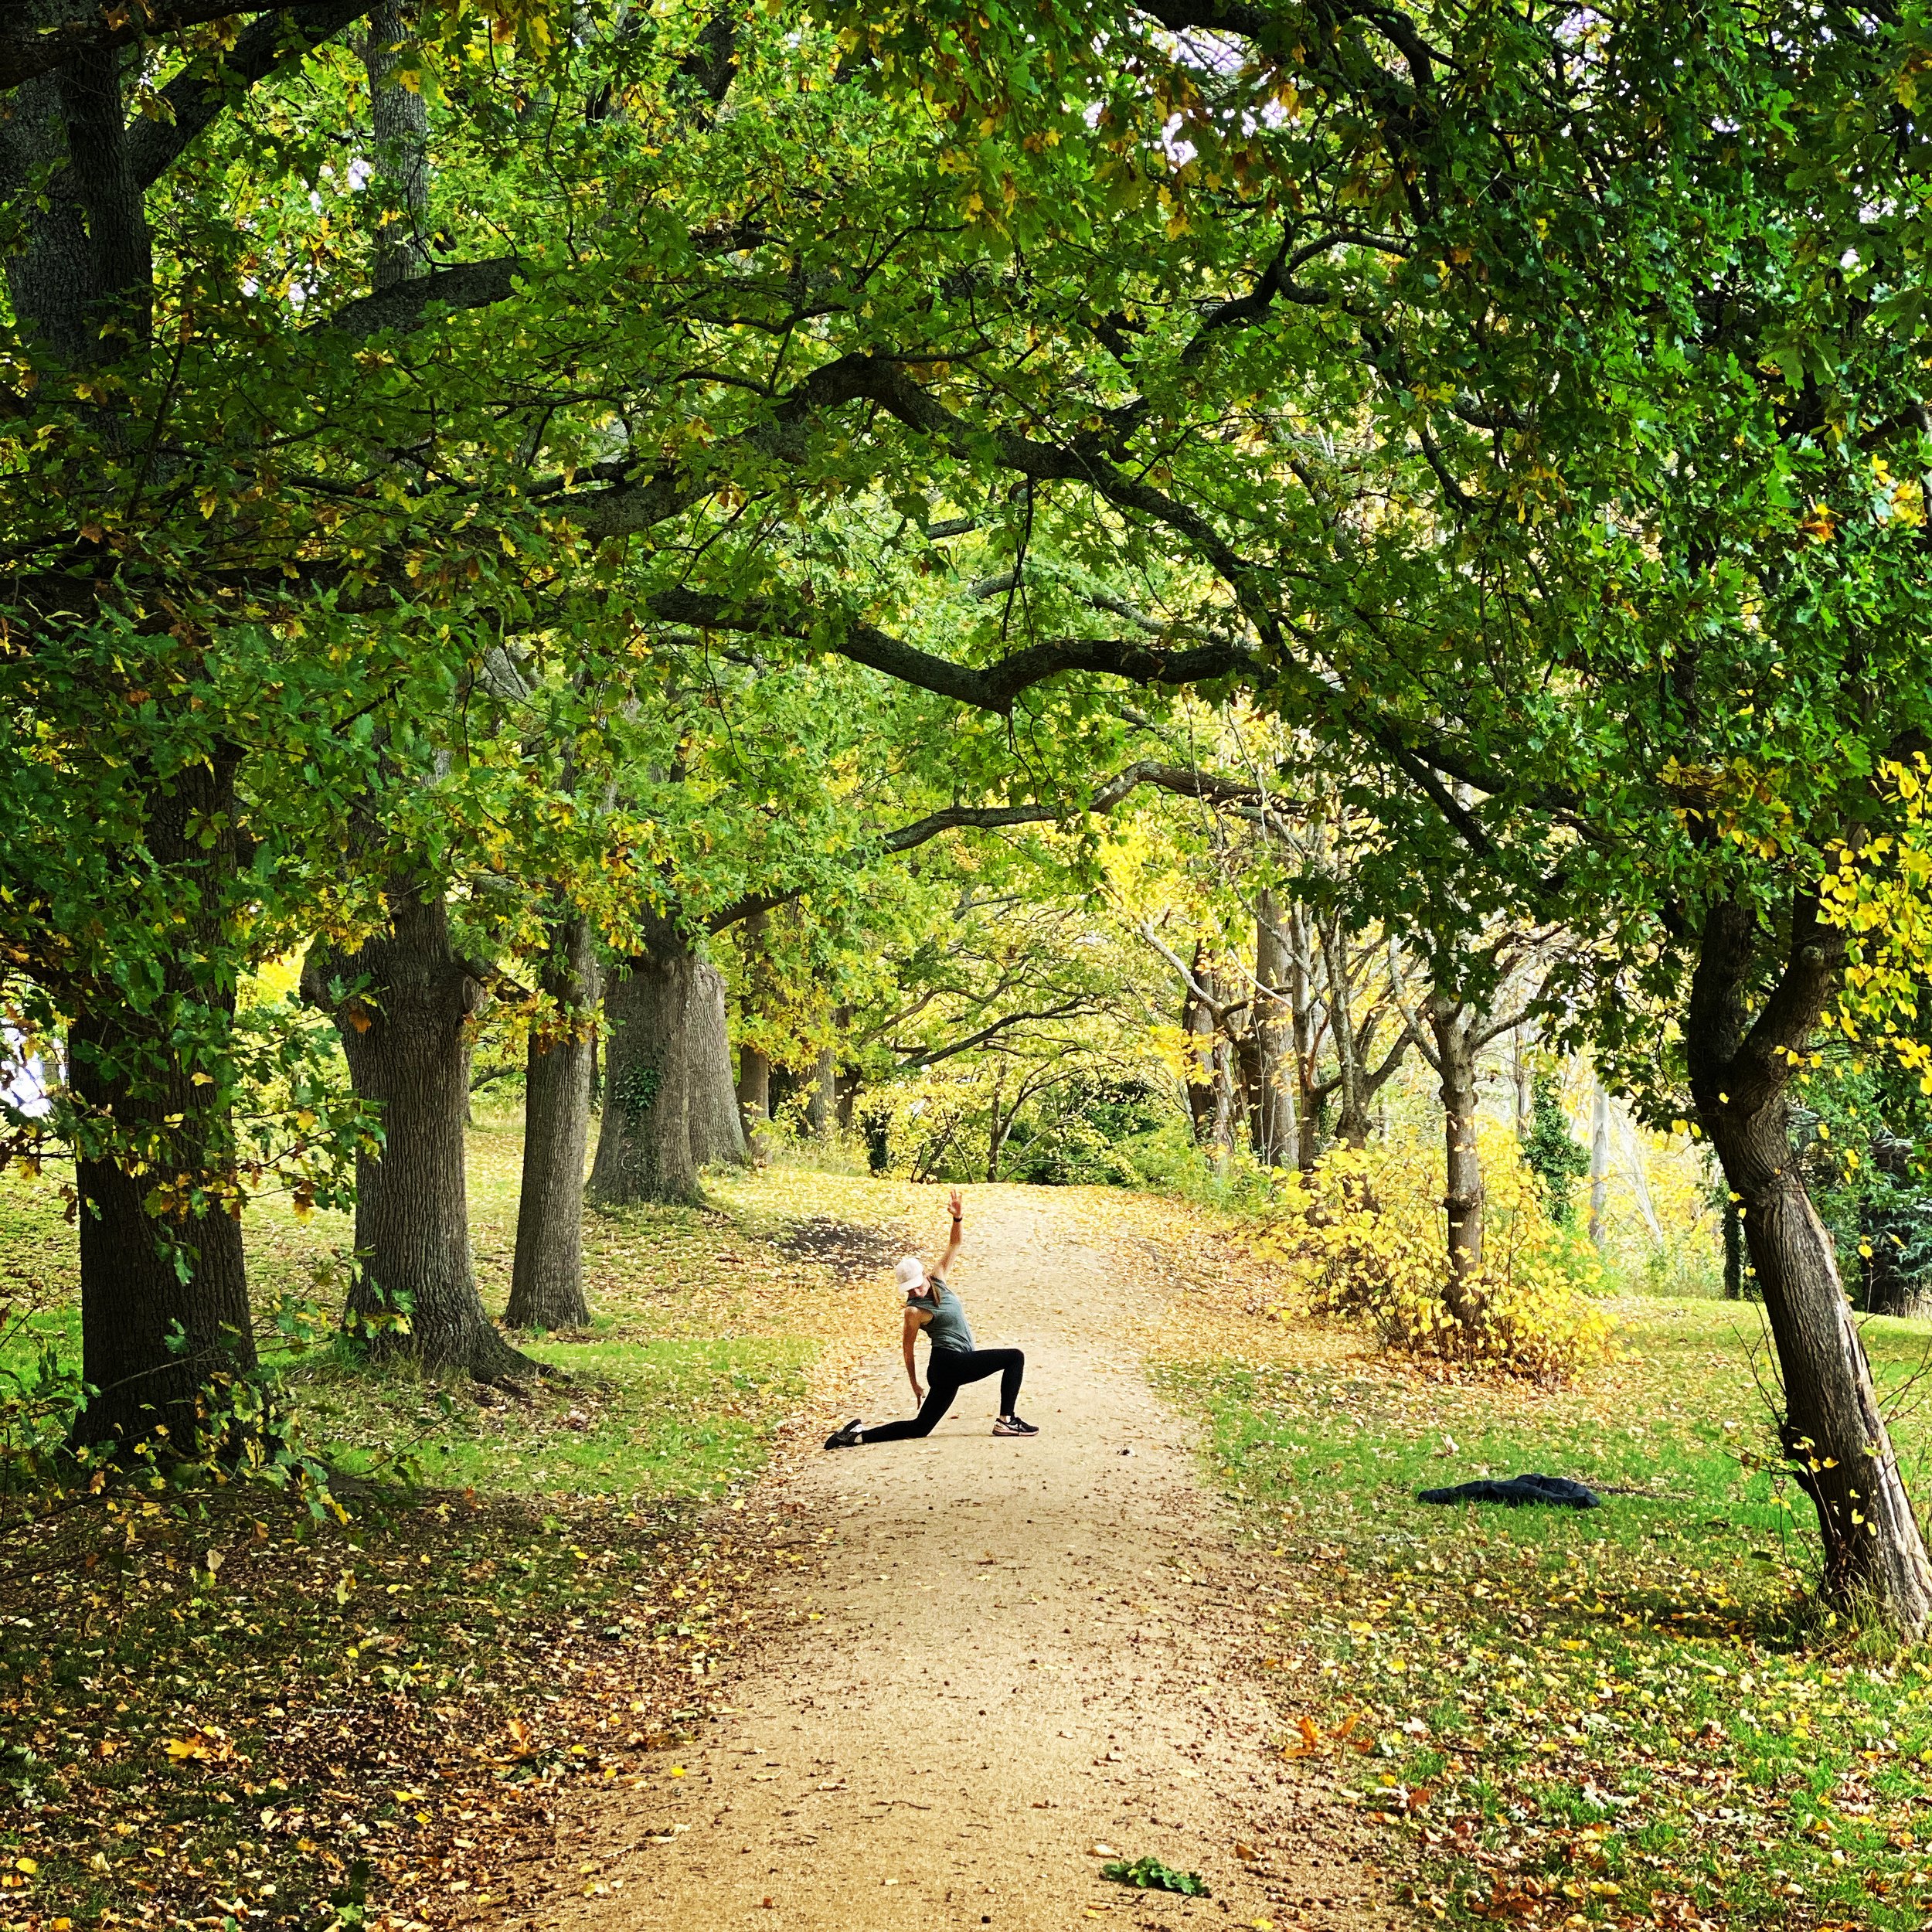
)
(996, 1133)
(754, 1063)
(1272, 1101)
(407, 1044)
(399, 122)
(845, 1080)
(1226, 1104)
(717, 1128)
(1198, 1022)
(754, 1102)
(754, 1087)
(81, 274)
(133, 1297)
(546, 1277)
(1301, 996)
(1452, 1026)
(670, 1107)
(1599, 1164)
(1832, 1429)
(1352, 1122)
(821, 1102)
(152, 1266)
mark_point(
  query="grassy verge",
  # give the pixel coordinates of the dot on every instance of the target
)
(1629, 1716)
(214, 1711)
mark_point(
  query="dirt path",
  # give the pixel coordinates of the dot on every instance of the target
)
(1027, 1647)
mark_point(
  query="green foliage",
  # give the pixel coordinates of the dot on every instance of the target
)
(1551, 1152)
(41, 1393)
(1150, 1875)
(1861, 1132)
(1090, 1133)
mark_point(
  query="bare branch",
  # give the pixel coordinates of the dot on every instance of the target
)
(1065, 1011)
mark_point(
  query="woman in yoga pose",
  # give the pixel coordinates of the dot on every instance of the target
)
(952, 1360)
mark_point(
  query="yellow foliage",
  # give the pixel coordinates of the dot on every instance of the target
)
(1879, 891)
(1365, 1235)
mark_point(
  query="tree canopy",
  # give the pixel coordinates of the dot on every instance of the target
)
(896, 539)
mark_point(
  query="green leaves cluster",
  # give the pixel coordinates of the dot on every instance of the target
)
(1150, 1875)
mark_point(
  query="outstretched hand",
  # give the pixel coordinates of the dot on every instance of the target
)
(957, 1205)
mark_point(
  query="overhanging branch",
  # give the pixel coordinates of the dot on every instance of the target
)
(25, 53)
(994, 689)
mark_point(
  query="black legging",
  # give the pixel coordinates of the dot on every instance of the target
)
(948, 1371)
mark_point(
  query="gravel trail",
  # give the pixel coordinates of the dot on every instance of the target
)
(1027, 1648)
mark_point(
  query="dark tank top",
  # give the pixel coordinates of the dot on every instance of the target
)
(947, 1328)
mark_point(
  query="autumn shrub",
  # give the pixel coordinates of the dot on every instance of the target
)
(1364, 1236)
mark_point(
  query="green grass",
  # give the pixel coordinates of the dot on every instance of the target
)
(1629, 1715)
(677, 1417)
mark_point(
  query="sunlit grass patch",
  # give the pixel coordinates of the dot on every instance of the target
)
(683, 1416)
(1632, 1716)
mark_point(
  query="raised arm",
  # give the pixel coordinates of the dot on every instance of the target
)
(952, 1245)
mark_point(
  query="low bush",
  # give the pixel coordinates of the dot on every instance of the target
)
(1365, 1235)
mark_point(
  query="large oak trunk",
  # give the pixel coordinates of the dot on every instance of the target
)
(164, 1313)
(164, 1293)
(133, 1297)
(1832, 1428)
(546, 1277)
(670, 1107)
(407, 1039)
